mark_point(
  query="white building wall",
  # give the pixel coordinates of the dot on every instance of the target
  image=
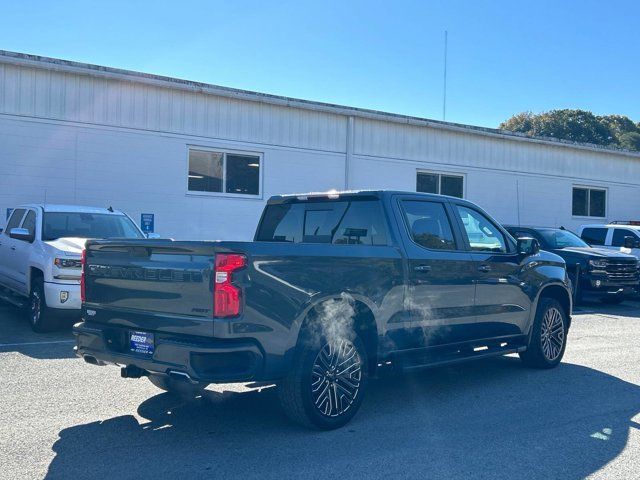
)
(515, 180)
(69, 135)
(141, 172)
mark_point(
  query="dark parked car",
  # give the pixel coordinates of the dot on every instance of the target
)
(333, 286)
(595, 272)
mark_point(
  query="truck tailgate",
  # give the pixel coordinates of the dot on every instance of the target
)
(156, 285)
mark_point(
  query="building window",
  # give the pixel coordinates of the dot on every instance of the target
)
(589, 202)
(441, 183)
(224, 172)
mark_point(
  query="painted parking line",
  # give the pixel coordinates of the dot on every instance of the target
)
(25, 344)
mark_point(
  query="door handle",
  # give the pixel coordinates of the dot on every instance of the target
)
(13, 247)
(484, 268)
(422, 268)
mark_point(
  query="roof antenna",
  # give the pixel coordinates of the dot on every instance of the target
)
(110, 209)
(444, 90)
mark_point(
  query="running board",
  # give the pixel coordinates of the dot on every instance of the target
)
(13, 300)
(453, 359)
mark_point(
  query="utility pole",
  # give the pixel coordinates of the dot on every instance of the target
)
(444, 93)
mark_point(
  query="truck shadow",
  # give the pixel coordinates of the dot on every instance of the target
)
(627, 309)
(491, 419)
(16, 336)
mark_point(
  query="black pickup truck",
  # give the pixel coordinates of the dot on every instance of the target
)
(595, 272)
(334, 287)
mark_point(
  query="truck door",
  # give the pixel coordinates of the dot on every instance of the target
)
(618, 241)
(7, 250)
(501, 306)
(19, 261)
(441, 290)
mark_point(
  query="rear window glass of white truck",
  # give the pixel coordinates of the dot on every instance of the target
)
(594, 236)
(358, 222)
(87, 225)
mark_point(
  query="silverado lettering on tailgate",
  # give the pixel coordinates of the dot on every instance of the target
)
(146, 274)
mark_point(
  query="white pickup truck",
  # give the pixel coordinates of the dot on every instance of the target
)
(619, 236)
(40, 254)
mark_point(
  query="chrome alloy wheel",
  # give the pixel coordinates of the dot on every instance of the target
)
(36, 307)
(336, 377)
(552, 334)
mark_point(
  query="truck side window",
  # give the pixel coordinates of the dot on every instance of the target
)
(14, 221)
(321, 221)
(594, 236)
(362, 224)
(304, 222)
(429, 225)
(482, 234)
(282, 223)
(619, 235)
(30, 222)
(359, 222)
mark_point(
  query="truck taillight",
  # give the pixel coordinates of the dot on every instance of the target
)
(83, 262)
(227, 298)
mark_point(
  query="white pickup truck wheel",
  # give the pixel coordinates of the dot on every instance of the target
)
(39, 314)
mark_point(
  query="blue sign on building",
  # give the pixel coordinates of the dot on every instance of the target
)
(147, 222)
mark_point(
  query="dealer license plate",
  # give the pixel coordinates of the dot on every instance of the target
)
(141, 342)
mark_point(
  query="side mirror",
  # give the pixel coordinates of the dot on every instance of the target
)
(153, 235)
(21, 234)
(528, 246)
(631, 242)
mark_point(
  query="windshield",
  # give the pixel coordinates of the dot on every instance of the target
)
(561, 239)
(87, 225)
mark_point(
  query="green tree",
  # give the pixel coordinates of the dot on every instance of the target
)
(630, 141)
(577, 126)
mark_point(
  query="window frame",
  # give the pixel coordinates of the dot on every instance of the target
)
(589, 189)
(225, 151)
(458, 240)
(607, 234)
(511, 247)
(440, 174)
(384, 222)
(633, 234)
(35, 222)
(24, 213)
(350, 202)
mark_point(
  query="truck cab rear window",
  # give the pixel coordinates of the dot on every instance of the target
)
(358, 222)
(594, 236)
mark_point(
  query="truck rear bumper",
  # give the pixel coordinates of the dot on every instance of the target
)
(201, 359)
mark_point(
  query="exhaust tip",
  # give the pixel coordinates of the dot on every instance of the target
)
(92, 360)
(183, 376)
(131, 371)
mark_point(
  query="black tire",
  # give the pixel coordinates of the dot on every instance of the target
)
(548, 336)
(178, 388)
(299, 398)
(39, 315)
(613, 300)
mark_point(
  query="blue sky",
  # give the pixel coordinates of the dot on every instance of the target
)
(504, 56)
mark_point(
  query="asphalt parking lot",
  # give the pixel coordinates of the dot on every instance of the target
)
(62, 418)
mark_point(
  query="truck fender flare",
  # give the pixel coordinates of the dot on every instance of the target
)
(298, 323)
(546, 287)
